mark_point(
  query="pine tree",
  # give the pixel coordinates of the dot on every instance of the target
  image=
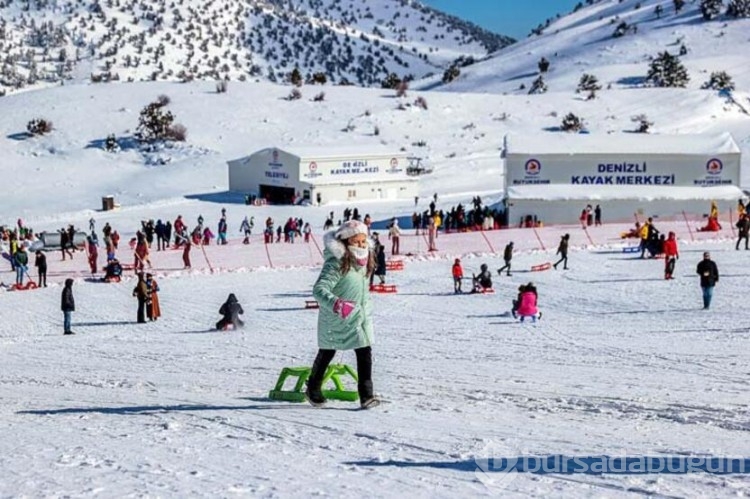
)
(571, 123)
(543, 65)
(295, 78)
(666, 70)
(739, 8)
(538, 86)
(451, 74)
(621, 30)
(719, 80)
(588, 83)
(711, 8)
(678, 5)
(156, 123)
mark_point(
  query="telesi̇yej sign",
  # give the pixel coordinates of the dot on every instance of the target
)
(665, 170)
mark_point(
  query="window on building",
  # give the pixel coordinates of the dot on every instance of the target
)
(351, 193)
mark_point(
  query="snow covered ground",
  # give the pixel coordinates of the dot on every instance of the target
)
(622, 363)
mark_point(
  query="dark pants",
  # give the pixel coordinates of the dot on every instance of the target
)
(564, 260)
(737, 246)
(141, 310)
(708, 292)
(669, 264)
(364, 370)
(42, 277)
(506, 266)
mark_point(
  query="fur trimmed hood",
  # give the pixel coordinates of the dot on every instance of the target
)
(335, 247)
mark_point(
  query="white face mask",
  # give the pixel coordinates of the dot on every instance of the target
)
(360, 254)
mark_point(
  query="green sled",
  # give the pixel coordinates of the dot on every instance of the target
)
(333, 373)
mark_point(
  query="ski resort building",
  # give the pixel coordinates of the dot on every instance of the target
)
(555, 176)
(322, 175)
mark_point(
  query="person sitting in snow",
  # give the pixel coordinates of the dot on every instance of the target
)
(231, 311)
(113, 270)
(527, 303)
(483, 281)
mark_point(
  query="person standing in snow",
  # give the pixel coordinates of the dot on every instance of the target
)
(40, 262)
(394, 233)
(380, 263)
(458, 275)
(507, 256)
(597, 215)
(222, 229)
(743, 226)
(21, 259)
(93, 251)
(68, 305)
(671, 255)
(709, 273)
(247, 229)
(562, 250)
(345, 314)
(231, 311)
(186, 253)
(141, 292)
(154, 310)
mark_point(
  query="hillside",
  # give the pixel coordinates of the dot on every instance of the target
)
(615, 40)
(49, 41)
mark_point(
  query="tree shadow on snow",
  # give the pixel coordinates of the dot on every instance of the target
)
(19, 136)
(280, 309)
(111, 323)
(648, 311)
(556, 464)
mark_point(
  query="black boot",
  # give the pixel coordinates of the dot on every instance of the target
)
(314, 393)
(367, 398)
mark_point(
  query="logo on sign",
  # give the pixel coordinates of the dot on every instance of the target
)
(714, 166)
(313, 167)
(275, 155)
(533, 167)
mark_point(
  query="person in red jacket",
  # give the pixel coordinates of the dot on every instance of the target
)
(670, 255)
(458, 275)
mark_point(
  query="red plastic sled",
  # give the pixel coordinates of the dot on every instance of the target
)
(311, 304)
(383, 288)
(115, 278)
(24, 287)
(541, 267)
(486, 291)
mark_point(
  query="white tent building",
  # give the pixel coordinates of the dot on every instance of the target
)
(322, 175)
(553, 177)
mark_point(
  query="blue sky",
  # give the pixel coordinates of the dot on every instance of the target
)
(514, 18)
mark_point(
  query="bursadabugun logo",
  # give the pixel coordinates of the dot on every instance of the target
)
(497, 466)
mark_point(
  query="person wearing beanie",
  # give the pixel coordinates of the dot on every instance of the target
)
(345, 313)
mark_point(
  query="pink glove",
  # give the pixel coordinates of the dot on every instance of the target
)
(344, 308)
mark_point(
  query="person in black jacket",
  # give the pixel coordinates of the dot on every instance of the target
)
(68, 305)
(709, 273)
(562, 250)
(231, 310)
(743, 225)
(507, 256)
(40, 262)
(380, 260)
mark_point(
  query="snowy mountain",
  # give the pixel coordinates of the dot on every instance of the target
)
(360, 42)
(616, 41)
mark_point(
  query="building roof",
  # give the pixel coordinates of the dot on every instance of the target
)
(621, 143)
(554, 192)
(331, 152)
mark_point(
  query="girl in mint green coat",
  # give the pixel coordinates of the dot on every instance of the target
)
(345, 315)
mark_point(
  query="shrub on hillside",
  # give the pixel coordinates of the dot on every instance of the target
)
(451, 74)
(538, 86)
(588, 83)
(642, 123)
(156, 123)
(666, 70)
(738, 8)
(571, 123)
(719, 80)
(39, 126)
(710, 8)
